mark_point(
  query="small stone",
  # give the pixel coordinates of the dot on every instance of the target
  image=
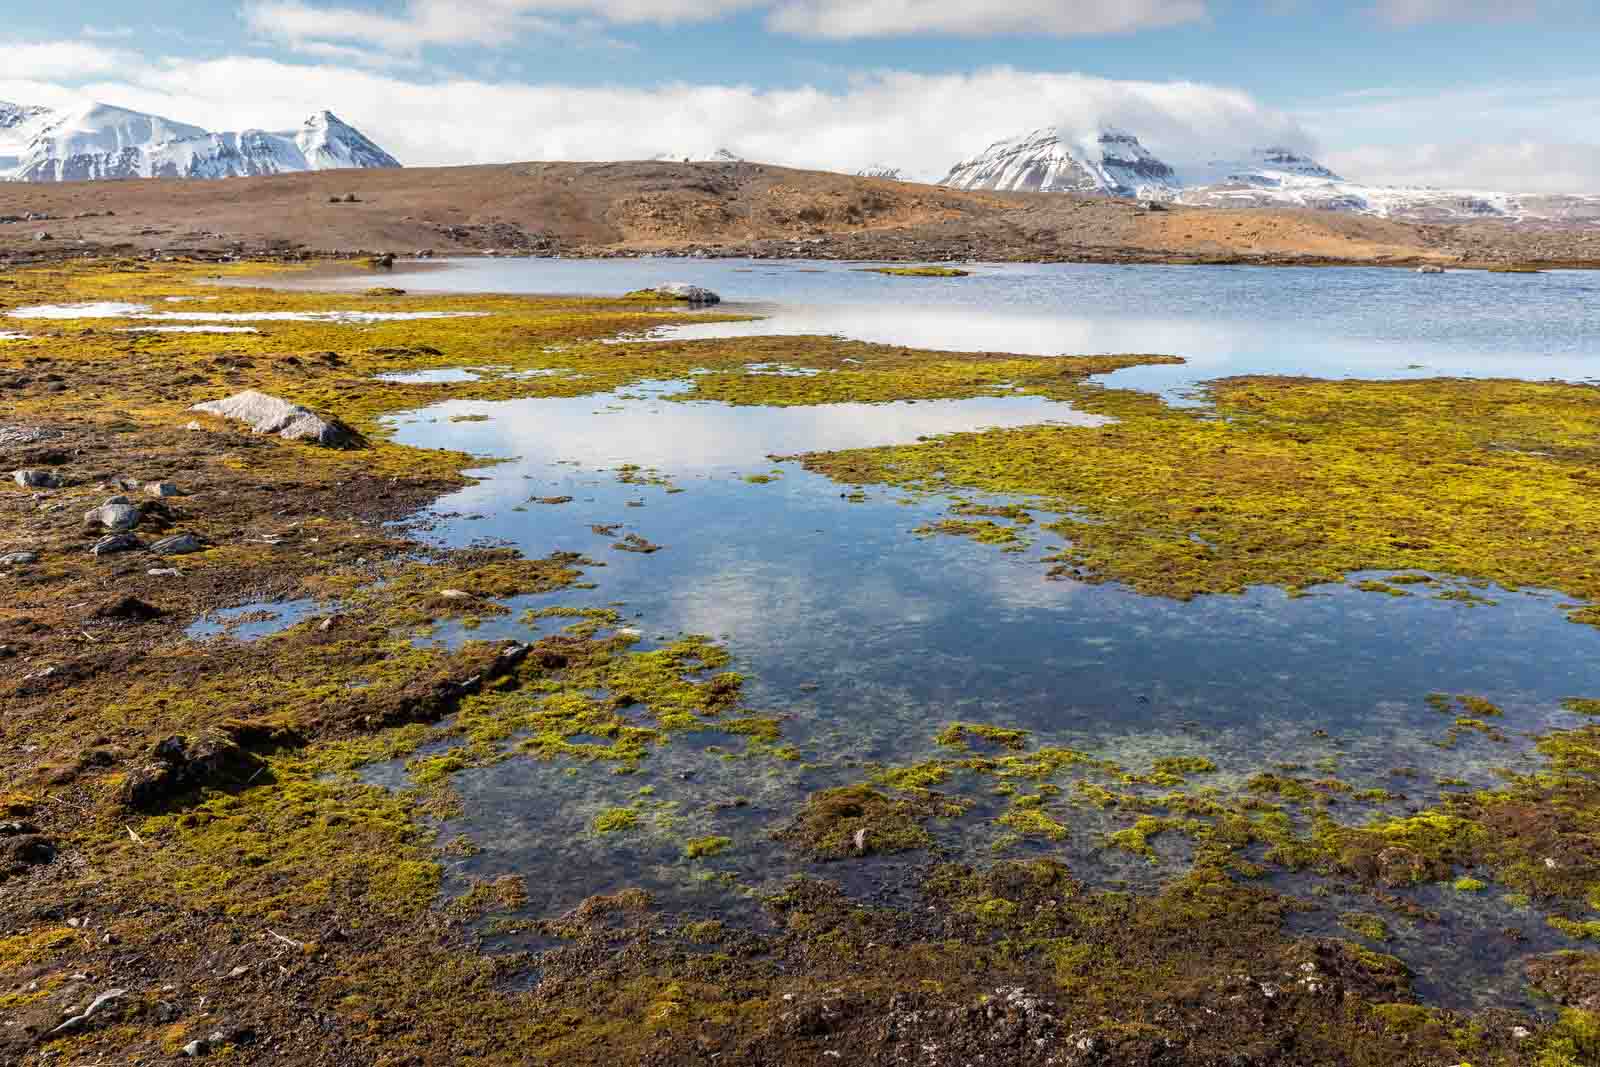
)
(12, 559)
(183, 544)
(116, 515)
(455, 594)
(195, 1048)
(116, 543)
(164, 572)
(161, 489)
(194, 425)
(239, 972)
(35, 479)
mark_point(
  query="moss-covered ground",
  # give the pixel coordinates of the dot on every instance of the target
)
(187, 822)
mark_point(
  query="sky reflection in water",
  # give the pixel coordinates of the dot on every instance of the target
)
(870, 638)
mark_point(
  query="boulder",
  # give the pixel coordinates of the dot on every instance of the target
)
(161, 489)
(271, 414)
(12, 559)
(116, 515)
(122, 542)
(180, 545)
(32, 479)
(681, 291)
(1430, 269)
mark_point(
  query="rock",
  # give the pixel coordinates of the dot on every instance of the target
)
(43, 235)
(17, 828)
(181, 764)
(128, 607)
(161, 489)
(116, 515)
(96, 1006)
(683, 291)
(122, 542)
(163, 572)
(124, 485)
(1430, 269)
(198, 1047)
(12, 559)
(31, 850)
(183, 544)
(193, 425)
(384, 261)
(270, 414)
(32, 479)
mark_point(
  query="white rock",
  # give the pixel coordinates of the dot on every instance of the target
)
(161, 489)
(32, 479)
(11, 559)
(270, 414)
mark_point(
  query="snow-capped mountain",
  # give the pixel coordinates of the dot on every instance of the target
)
(1112, 164)
(99, 142)
(1277, 177)
(882, 170)
(1118, 165)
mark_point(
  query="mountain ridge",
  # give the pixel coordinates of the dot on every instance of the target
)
(100, 142)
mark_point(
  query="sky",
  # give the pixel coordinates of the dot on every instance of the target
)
(1490, 94)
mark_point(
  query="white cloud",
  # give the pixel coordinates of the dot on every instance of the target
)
(1520, 167)
(425, 23)
(52, 60)
(922, 123)
(898, 18)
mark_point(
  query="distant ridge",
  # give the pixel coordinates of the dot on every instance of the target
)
(101, 142)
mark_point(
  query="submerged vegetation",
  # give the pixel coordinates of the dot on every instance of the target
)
(197, 826)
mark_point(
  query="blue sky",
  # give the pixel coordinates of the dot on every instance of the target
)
(1471, 92)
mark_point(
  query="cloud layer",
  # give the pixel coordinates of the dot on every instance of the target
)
(426, 23)
(921, 123)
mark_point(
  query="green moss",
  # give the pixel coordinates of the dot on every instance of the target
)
(1367, 925)
(916, 272)
(1470, 885)
(613, 820)
(705, 847)
(959, 735)
(1581, 706)
(1029, 821)
(1298, 482)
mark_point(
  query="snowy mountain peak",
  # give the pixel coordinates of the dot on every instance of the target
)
(1113, 163)
(882, 170)
(328, 143)
(14, 115)
(102, 141)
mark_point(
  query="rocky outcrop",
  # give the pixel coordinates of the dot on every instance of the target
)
(268, 414)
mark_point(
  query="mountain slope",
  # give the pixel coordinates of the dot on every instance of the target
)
(1043, 161)
(100, 142)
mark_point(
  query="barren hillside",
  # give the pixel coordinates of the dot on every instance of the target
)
(714, 208)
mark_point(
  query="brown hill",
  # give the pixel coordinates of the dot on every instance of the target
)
(624, 208)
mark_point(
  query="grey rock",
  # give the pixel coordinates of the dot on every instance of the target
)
(270, 414)
(195, 1048)
(126, 485)
(178, 545)
(116, 515)
(99, 1003)
(32, 479)
(1430, 270)
(12, 559)
(164, 572)
(694, 294)
(161, 489)
(122, 542)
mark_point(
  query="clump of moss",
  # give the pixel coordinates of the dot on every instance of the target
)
(858, 821)
(1467, 884)
(1580, 706)
(613, 820)
(916, 272)
(960, 735)
(706, 847)
(1367, 925)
